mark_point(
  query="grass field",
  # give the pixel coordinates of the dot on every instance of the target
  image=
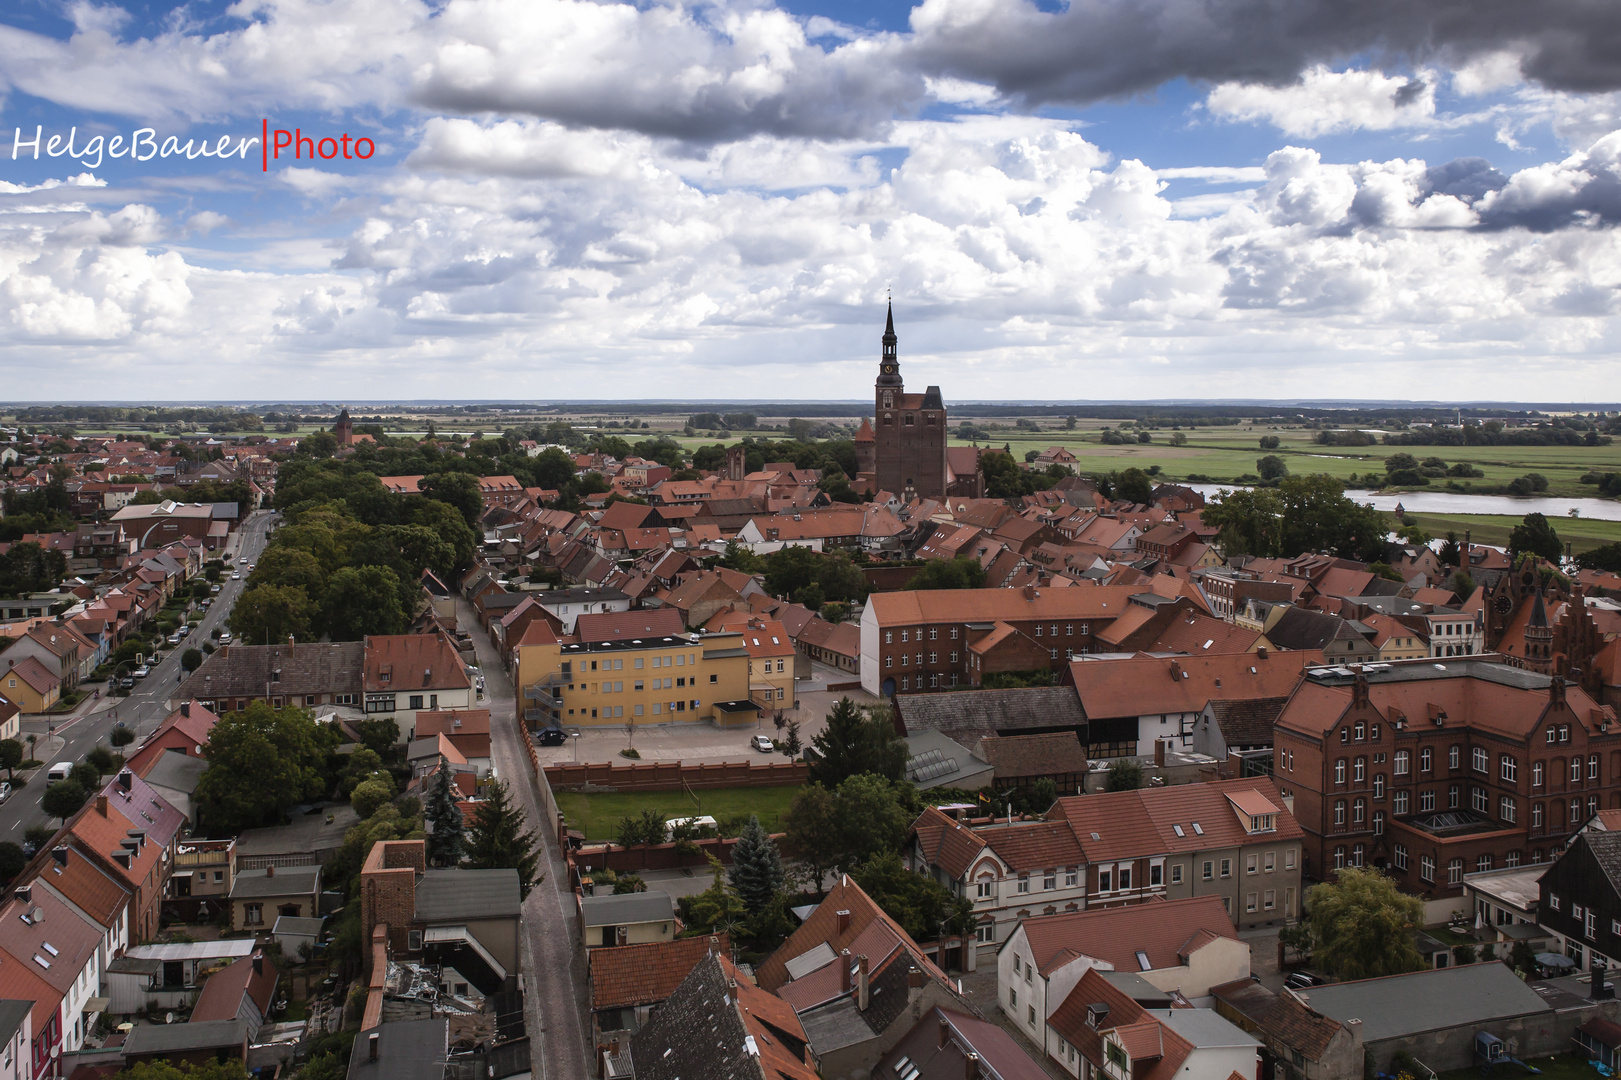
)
(598, 816)
(1583, 533)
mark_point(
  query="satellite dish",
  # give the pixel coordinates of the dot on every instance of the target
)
(168, 1018)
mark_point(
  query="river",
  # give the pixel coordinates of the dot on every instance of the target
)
(1446, 502)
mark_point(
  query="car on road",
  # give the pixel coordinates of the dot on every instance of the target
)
(60, 771)
(236, 575)
(225, 637)
(177, 637)
(5, 792)
(142, 672)
(213, 588)
(552, 737)
(127, 683)
(762, 743)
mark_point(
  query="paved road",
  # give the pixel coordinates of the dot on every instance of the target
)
(553, 958)
(144, 709)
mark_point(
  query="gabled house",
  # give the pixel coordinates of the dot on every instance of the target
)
(947, 1044)
(39, 931)
(1181, 946)
(628, 982)
(1100, 1031)
(243, 991)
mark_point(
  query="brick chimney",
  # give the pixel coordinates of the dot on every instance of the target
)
(970, 1067)
(1159, 753)
(270, 871)
(844, 971)
(862, 996)
(101, 805)
(185, 709)
(843, 918)
(945, 1032)
(914, 979)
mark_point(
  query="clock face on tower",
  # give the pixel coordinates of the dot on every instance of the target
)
(889, 369)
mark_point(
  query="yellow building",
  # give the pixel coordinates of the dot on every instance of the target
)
(1396, 640)
(665, 680)
(771, 663)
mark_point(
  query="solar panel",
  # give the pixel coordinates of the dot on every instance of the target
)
(930, 765)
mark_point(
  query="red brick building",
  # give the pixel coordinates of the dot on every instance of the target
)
(1431, 770)
(927, 640)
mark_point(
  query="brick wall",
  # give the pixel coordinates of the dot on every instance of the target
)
(674, 775)
(388, 888)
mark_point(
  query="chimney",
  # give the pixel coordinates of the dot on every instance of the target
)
(60, 854)
(270, 871)
(126, 779)
(185, 709)
(258, 963)
(844, 971)
(291, 643)
(861, 982)
(970, 1067)
(945, 1032)
(1159, 753)
(25, 893)
(1556, 690)
(914, 979)
(371, 1046)
(101, 805)
(843, 918)
(1354, 1026)
(1260, 653)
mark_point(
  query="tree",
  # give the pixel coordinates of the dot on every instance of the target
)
(262, 762)
(812, 832)
(270, 614)
(63, 799)
(497, 839)
(446, 840)
(1272, 467)
(718, 908)
(873, 817)
(791, 745)
(739, 558)
(855, 742)
(1133, 486)
(121, 736)
(1606, 557)
(923, 907)
(756, 866)
(214, 1070)
(27, 567)
(362, 601)
(12, 861)
(1270, 442)
(1179, 438)
(1362, 926)
(102, 758)
(1451, 552)
(11, 756)
(370, 795)
(645, 828)
(86, 775)
(1302, 513)
(1039, 797)
(1125, 774)
(457, 489)
(1535, 536)
(190, 660)
(961, 572)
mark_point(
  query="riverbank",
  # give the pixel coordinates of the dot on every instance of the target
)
(1584, 534)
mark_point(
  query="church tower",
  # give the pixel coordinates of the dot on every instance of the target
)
(909, 430)
(343, 429)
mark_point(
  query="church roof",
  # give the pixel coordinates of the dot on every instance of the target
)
(864, 433)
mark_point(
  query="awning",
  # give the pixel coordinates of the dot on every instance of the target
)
(738, 706)
(97, 1005)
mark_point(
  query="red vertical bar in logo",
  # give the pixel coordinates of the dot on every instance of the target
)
(264, 144)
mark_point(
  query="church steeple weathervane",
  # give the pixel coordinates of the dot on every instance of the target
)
(889, 367)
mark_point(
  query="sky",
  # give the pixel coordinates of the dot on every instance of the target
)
(556, 199)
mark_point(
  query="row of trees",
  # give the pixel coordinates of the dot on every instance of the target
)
(1300, 513)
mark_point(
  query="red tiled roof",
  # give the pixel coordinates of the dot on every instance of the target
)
(1131, 824)
(1145, 685)
(221, 998)
(1169, 1050)
(821, 926)
(34, 673)
(413, 662)
(646, 974)
(627, 625)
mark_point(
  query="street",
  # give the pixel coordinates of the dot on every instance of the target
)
(70, 737)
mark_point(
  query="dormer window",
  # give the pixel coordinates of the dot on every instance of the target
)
(1263, 823)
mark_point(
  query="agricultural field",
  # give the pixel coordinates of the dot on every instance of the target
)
(1584, 534)
(598, 815)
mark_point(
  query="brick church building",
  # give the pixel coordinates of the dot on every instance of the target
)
(904, 450)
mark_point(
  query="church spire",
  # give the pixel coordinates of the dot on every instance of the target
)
(889, 366)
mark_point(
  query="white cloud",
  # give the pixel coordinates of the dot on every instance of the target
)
(1326, 101)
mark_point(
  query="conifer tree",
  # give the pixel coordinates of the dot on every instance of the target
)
(496, 838)
(756, 866)
(445, 842)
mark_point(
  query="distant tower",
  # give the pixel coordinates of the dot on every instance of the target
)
(866, 449)
(736, 462)
(343, 430)
(909, 430)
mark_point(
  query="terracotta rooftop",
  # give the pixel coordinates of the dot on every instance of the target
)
(646, 974)
(1184, 817)
(413, 662)
(1034, 755)
(627, 625)
(1144, 685)
(990, 605)
(222, 994)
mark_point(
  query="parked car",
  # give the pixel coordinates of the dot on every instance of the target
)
(762, 743)
(1303, 980)
(213, 588)
(142, 672)
(225, 637)
(127, 683)
(5, 792)
(60, 771)
(552, 737)
(177, 637)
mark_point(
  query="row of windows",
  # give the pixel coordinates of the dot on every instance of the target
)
(1508, 767)
(1040, 629)
(609, 712)
(934, 681)
(618, 663)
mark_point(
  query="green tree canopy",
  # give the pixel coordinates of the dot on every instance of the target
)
(1535, 536)
(1302, 513)
(811, 826)
(11, 755)
(446, 840)
(961, 572)
(270, 614)
(496, 837)
(923, 907)
(716, 909)
(370, 795)
(167, 1070)
(854, 742)
(873, 816)
(1606, 557)
(1124, 774)
(63, 799)
(756, 867)
(457, 489)
(363, 600)
(262, 762)
(1362, 926)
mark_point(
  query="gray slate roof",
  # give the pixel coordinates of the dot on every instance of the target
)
(406, 1050)
(241, 671)
(287, 881)
(177, 772)
(1247, 723)
(146, 1039)
(650, 906)
(443, 895)
(1606, 849)
(969, 715)
(12, 1014)
(1403, 1005)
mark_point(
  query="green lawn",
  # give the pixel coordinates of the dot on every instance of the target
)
(598, 816)
(1563, 1067)
(1583, 533)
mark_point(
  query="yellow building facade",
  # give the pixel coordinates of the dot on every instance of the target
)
(689, 678)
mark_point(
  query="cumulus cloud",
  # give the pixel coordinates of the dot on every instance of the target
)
(1585, 188)
(1325, 101)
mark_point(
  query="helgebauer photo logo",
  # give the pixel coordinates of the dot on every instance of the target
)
(270, 145)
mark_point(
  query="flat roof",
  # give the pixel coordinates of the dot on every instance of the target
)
(1516, 886)
(1401, 1005)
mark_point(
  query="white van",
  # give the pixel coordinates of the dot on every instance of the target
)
(60, 771)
